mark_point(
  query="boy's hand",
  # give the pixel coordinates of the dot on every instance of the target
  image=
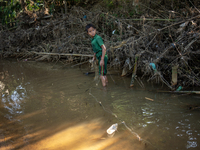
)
(102, 62)
(94, 58)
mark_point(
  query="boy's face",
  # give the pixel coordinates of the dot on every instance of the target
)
(91, 32)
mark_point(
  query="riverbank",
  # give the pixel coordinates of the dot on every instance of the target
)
(156, 40)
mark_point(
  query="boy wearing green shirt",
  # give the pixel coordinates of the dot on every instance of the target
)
(99, 52)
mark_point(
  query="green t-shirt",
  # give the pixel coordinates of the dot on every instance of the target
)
(97, 42)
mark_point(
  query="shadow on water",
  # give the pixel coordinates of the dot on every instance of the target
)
(45, 107)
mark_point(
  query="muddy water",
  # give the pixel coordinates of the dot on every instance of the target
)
(51, 106)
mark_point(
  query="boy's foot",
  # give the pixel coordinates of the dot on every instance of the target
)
(106, 79)
(103, 80)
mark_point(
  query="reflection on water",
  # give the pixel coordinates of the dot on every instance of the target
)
(12, 102)
(48, 106)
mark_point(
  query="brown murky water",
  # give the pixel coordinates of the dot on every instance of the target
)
(48, 106)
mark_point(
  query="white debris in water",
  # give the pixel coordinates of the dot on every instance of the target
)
(112, 128)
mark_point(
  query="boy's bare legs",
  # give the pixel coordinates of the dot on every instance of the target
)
(103, 80)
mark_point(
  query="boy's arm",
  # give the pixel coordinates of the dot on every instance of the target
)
(103, 54)
(94, 57)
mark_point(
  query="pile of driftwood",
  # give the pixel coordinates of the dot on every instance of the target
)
(164, 47)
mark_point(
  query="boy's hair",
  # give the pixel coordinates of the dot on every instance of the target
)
(89, 26)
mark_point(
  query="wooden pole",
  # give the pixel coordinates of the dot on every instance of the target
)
(65, 3)
(174, 75)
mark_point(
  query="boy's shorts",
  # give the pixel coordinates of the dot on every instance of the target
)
(103, 69)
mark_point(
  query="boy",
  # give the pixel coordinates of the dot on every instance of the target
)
(99, 52)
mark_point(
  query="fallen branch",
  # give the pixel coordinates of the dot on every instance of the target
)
(149, 99)
(179, 23)
(150, 19)
(181, 92)
(44, 53)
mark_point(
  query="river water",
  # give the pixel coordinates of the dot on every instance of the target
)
(50, 106)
